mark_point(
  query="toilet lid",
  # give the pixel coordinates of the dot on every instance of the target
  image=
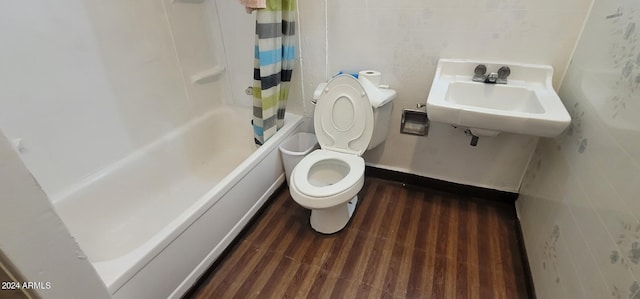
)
(343, 116)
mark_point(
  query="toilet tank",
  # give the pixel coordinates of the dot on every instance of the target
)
(382, 122)
(381, 98)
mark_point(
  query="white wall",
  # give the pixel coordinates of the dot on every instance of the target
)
(35, 240)
(87, 83)
(404, 40)
(84, 83)
(238, 32)
(579, 204)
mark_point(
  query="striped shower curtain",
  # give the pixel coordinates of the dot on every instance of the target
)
(273, 66)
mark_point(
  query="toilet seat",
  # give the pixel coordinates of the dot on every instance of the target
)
(343, 117)
(300, 174)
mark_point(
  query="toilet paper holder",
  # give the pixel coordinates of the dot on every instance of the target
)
(415, 121)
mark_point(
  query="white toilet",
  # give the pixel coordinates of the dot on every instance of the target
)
(351, 116)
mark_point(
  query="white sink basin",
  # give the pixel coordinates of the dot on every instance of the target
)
(527, 104)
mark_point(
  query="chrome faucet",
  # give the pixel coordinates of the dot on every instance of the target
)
(492, 78)
(499, 77)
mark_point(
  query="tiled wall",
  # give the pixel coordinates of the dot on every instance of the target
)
(404, 40)
(580, 200)
(84, 83)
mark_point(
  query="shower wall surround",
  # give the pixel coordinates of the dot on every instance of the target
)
(34, 240)
(84, 83)
(404, 40)
(579, 203)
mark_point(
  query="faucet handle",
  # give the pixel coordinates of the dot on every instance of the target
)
(478, 73)
(504, 72)
(480, 70)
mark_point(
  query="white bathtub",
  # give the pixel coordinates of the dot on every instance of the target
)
(152, 223)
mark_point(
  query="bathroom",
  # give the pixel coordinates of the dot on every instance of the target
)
(85, 84)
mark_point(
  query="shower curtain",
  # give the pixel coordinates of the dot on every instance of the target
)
(273, 66)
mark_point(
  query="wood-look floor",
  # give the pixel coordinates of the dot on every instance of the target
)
(402, 242)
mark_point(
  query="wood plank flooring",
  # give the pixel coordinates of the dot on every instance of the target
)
(402, 242)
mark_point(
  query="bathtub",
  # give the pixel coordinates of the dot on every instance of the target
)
(152, 223)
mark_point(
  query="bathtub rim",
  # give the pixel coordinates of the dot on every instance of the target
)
(115, 273)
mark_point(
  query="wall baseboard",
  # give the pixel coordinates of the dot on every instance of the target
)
(431, 183)
(531, 291)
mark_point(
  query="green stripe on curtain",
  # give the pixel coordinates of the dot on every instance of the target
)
(280, 5)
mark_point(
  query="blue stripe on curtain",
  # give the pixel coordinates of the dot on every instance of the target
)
(274, 56)
(257, 130)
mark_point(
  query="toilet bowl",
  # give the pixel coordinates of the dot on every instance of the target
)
(328, 180)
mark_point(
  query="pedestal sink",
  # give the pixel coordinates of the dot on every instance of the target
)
(527, 104)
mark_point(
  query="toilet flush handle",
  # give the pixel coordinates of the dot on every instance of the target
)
(318, 92)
